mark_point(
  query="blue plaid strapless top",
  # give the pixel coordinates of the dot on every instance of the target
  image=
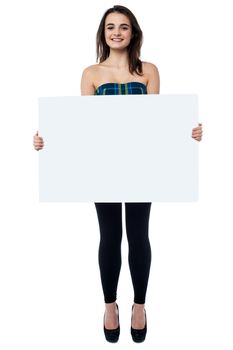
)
(131, 88)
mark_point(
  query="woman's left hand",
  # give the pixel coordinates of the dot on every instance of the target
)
(197, 132)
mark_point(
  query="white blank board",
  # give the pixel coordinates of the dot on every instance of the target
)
(118, 148)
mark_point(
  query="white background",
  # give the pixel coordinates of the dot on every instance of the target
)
(50, 293)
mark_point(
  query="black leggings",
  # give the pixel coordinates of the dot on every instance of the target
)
(137, 224)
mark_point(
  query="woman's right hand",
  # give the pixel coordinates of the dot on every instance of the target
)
(38, 142)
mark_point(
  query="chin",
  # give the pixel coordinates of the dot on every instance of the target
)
(117, 47)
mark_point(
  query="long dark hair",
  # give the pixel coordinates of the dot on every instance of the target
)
(134, 47)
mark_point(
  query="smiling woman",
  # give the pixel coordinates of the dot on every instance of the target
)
(123, 29)
(120, 71)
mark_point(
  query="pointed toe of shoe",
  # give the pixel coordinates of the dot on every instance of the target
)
(112, 335)
(138, 335)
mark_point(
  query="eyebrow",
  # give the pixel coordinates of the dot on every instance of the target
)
(122, 24)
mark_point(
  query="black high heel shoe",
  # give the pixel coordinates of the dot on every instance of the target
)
(112, 335)
(138, 335)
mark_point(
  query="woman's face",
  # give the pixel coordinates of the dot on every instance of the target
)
(118, 31)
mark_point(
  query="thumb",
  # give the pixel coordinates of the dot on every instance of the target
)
(37, 133)
(200, 124)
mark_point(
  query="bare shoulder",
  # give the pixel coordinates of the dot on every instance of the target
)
(152, 75)
(88, 78)
(150, 68)
(90, 70)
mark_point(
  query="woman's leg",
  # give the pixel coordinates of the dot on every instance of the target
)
(137, 229)
(110, 224)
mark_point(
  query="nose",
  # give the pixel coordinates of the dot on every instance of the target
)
(117, 32)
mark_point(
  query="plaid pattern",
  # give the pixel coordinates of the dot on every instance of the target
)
(132, 88)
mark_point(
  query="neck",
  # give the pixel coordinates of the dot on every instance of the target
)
(118, 59)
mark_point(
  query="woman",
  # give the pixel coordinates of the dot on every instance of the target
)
(120, 71)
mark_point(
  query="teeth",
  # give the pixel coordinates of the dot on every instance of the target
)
(117, 39)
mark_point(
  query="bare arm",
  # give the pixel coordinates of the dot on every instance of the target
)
(153, 85)
(87, 86)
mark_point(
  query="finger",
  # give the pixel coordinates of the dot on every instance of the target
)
(37, 138)
(197, 128)
(197, 131)
(38, 144)
(196, 136)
